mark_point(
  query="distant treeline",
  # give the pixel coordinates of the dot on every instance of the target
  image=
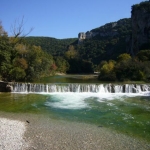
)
(53, 46)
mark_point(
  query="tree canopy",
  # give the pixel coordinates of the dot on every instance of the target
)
(22, 62)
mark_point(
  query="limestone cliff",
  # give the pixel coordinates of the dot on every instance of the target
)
(82, 36)
(140, 17)
(108, 30)
(128, 35)
(105, 42)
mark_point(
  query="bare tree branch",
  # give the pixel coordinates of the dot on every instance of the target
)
(17, 28)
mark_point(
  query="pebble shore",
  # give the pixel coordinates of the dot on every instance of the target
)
(37, 132)
(12, 134)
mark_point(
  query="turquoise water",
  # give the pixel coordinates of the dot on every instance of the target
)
(128, 114)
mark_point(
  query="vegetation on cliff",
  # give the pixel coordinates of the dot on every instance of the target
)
(140, 27)
(144, 6)
(110, 41)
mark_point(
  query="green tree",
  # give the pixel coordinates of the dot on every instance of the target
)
(107, 71)
(39, 62)
(5, 54)
(62, 64)
(144, 55)
(17, 74)
(130, 70)
(124, 57)
(71, 53)
(20, 61)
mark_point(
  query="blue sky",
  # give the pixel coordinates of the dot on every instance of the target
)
(63, 18)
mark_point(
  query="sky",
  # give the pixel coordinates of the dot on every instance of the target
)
(62, 18)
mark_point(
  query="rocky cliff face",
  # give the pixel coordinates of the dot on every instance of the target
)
(133, 33)
(108, 30)
(82, 36)
(105, 42)
(140, 17)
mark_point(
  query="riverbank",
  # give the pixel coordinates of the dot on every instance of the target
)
(43, 132)
(12, 134)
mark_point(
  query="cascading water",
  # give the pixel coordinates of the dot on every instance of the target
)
(123, 107)
(80, 88)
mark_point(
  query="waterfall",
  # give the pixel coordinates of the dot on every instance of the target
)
(79, 88)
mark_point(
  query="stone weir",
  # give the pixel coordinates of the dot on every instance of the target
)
(80, 88)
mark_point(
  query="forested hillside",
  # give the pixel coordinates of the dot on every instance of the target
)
(111, 40)
(105, 52)
(53, 46)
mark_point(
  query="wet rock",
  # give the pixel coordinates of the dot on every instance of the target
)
(9, 88)
(27, 121)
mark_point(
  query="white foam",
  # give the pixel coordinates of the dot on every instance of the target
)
(68, 101)
(72, 100)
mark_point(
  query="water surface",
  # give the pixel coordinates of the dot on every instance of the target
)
(126, 113)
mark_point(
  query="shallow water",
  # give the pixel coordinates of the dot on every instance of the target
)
(76, 78)
(126, 113)
(69, 79)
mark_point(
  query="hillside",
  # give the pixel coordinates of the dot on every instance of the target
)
(55, 47)
(106, 42)
(110, 41)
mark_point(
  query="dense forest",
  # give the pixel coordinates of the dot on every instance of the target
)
(85, 57)
(126, 68)
(111, 40)
(100, 47)
(22, 62)
(105, 53)
(108, 52)
(55, 47)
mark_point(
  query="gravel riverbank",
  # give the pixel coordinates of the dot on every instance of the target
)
(12, 134)
(39, 132)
